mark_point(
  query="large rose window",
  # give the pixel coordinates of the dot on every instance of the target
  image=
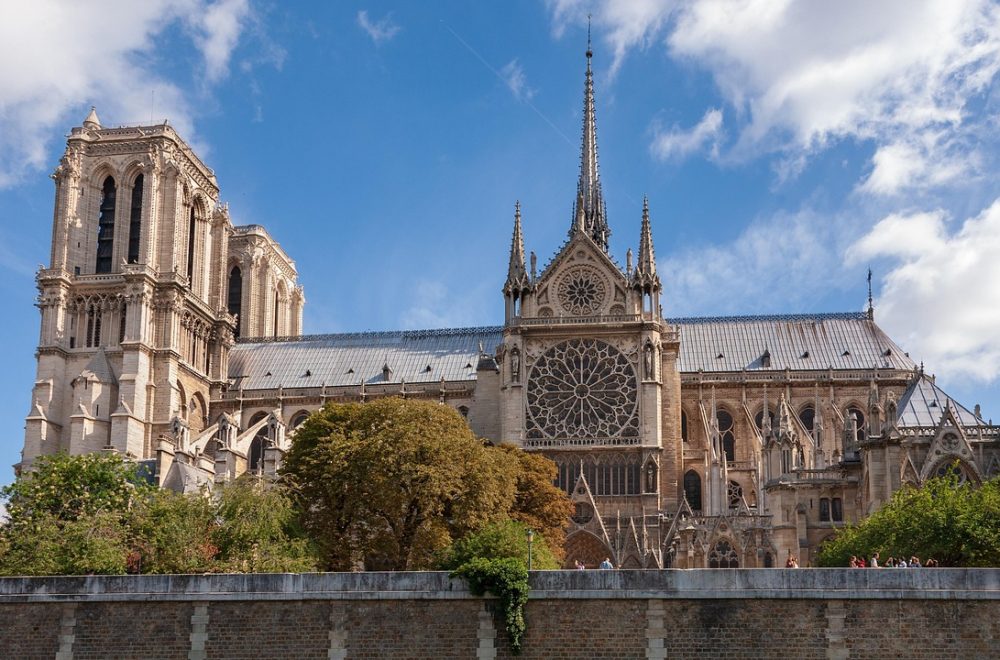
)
(581, 291)
(582, 388)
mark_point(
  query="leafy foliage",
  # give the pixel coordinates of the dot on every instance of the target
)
(956, 524)
(500, 540)
(257, 532)
(538, 502)
(93, 514)
(390, 484)
(507, 579)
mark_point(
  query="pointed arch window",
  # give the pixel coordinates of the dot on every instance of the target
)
(759, 419)
(106, 226)
(808, 417)
(192, 228)
(723, 555)
(727, 434)
(855, 411)
(135, 221)
(234, 302)
(692, 490)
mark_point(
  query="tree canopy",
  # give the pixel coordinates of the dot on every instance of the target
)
(95, 513)
(388, 485)
(955, 524)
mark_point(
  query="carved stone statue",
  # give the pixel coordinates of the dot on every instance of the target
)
(647, 361)
(515, 366)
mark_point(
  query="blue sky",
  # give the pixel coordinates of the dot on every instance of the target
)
(784, 146)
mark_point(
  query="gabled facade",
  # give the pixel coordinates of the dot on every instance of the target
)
(174, 337)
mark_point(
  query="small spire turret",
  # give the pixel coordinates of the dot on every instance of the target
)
(92, 122)
(645, 268)
(517, 277)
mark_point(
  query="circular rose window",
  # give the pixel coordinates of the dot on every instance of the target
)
(582, 388)
(581, 291)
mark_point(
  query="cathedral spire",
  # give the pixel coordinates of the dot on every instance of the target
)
(645, 268)
(516, 273)
(589, 186)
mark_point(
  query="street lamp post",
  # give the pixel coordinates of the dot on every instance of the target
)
(531, 537)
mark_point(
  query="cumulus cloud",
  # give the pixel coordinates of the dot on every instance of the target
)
(940, 299)
(776, 263)
(59, 56)
(800, 75)
(513, 76)
(381, 30)
(679, 143)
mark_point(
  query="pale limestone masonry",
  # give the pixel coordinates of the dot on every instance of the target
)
(817, 613)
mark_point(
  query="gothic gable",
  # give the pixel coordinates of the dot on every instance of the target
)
(581, 281)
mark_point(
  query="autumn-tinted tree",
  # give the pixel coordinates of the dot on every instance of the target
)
(955, 524)
(388, 484)
(538, 502)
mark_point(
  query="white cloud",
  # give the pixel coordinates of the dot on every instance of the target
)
(679, 143)
(776, 263)
(435, 306)
(379, 31)
(801, 74)
(513, 76)
(59, 56)
(940, 300)
(626, 23)
(219, 29)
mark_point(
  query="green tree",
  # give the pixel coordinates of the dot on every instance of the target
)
(257, 530)
(956, 524)
(389, 484)
(171, 533)
(505, 539)
(68, 487)
(68, 516)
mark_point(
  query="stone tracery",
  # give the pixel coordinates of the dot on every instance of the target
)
(583, 388)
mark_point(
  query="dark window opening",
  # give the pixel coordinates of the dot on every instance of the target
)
(192, 228)
(684, 426)
(727, 434)
(692, 490)
(135, 221)
(824, 509)
(121, 324)
(759, 419)
(808, 417)
(234, 300)
(838, 509)
(106, 227)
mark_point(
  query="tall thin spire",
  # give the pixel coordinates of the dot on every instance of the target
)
(871, 305)
(645, 268)
(516, 274)
(589, 186)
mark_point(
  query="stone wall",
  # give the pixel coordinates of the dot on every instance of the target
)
(750, 613)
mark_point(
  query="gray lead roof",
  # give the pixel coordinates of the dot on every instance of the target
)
(923, 404)
(840, 341)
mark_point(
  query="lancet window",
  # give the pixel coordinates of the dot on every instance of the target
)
(723, 555)
(106, 226)
(692, 490)
(234, 303)
(727, 434)
(135, 221)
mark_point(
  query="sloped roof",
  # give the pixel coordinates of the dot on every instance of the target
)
(818, 341)
(841, 341)
(922, 405)
(100, 368)
(413, 356)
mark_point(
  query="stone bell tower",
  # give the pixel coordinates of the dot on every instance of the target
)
(134, 327)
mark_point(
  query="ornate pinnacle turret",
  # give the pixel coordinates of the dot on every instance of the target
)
(517, 276)
(590, 199)
(92, 122)
(645, 268)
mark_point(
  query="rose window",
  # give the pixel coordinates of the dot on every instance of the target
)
(581, 291)
(582, 388)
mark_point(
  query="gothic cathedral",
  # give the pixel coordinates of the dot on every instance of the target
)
(173, 336)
